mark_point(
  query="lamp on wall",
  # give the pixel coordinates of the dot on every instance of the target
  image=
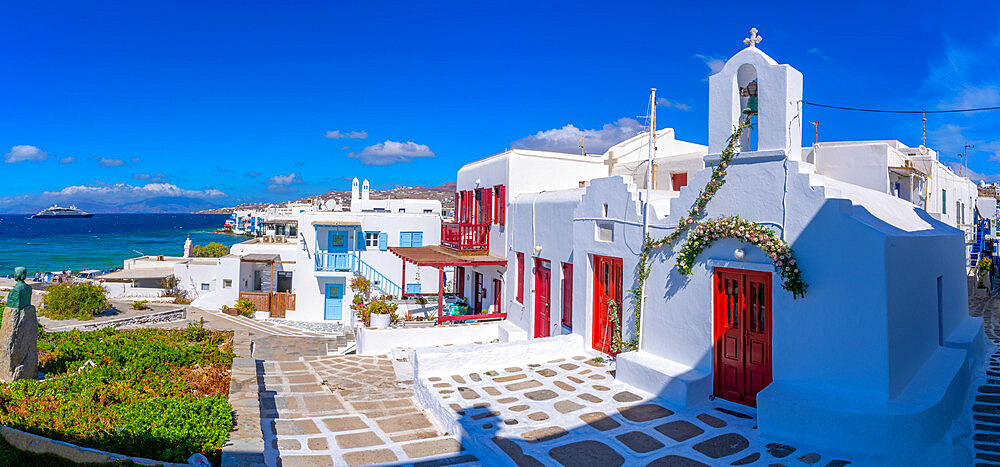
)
(739, 254)
(538, 249)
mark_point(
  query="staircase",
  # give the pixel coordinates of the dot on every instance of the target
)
(377, 279)
(977, 248)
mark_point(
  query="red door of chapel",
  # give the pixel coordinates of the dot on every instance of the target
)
(607, 297)
(742, 334)
(543, 287)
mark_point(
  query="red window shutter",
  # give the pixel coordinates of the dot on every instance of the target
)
(501, 203)
(458, 205)
(567, 297)
(520, 277)
(487, 206)
(460, 281)
(468, 202)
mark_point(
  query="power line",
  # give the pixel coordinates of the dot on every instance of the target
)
(901, 111)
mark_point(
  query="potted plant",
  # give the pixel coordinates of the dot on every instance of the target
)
(982, 271)
(380, 312)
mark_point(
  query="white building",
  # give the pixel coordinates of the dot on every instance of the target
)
(306, 276)
(877, 355)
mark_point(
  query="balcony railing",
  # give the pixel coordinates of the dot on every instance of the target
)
(334, 261)
(465, 237)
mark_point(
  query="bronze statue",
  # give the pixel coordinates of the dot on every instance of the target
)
(20, 296)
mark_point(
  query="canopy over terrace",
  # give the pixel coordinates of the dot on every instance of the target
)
(436, 256)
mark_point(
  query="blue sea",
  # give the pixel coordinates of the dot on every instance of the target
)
(102, 241)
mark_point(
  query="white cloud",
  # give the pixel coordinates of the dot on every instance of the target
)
(283, 183)
(391, 152)
(158, 177)
(109, 162)
(819, 53)
(344, 148)
(123, 192)
(67, 160)
(664, 102)
(972, 174)
(337, 134)
(24, 152)
(714, 64)
(135, 159)
(567, 139)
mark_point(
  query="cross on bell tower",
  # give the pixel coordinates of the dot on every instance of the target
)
(754, 39)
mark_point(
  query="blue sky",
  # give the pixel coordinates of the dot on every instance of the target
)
(266, 101)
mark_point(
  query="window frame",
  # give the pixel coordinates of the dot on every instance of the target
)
(369, 236)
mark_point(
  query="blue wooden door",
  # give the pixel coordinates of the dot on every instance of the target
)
(338, 248)
(334, 307)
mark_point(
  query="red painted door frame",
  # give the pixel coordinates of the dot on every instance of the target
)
(497, 296)
(543, 289)
(478, 291)
(607, 288)
(742, 315)
(567, 295)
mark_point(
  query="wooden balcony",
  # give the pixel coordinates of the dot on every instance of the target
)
(465, 237)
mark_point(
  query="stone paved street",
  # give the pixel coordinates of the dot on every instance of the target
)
(571, 411)
(986, 407)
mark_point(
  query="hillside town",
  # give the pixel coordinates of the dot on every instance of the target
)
(749, 301)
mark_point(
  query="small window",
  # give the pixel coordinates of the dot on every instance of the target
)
(605, 232)
(227, 283)
(605, 209)
(428, 211)
(371, 239)
(205, 286)
(944, 202)
(402, 209)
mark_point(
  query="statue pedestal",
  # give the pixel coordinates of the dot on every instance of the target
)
(18, 344)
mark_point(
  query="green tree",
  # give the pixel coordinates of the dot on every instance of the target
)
(212, 250)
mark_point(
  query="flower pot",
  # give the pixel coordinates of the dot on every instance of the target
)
(380, 320)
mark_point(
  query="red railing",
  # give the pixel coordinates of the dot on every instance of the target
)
(465, 237)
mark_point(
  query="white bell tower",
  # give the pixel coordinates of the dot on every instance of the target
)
(751, 77)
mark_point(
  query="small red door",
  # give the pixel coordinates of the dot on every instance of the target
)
(678, 180)
(497, 295)
(543, 287)
(567, 295)
(478, 292)
(742, 334)
(607, 296)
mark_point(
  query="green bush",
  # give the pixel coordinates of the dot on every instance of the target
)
(245, 307)
(79, 301)
(379, 305)
(212, 250)
(140, 304)
(152, 393)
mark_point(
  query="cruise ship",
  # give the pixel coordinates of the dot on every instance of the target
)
(58, 212)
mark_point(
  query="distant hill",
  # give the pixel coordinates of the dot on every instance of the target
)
(444, 193)
(166, 204)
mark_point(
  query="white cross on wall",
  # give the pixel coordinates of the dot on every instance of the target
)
(754, 39)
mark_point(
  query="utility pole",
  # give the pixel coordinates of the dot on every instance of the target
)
(816, 137)
(965, 158)
(645, 214)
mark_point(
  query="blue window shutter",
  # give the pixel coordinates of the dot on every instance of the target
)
(405, 239)
(360, 239)
(418, 239)
(383, 241)
(413, 288)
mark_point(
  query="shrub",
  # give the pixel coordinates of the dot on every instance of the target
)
(361, 286)
(421, 300)
(984, 264)
(245, 307)
(80, 301)
(212, 250)
(140, 304)
(153, 393)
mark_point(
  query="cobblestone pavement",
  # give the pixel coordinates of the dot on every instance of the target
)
(571, 411)
(986, 407)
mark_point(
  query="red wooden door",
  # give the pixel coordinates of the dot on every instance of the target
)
(497, 296)
(460, 281)
(478, 291)
(607, 290)
(543, 287)
(678, 180)
(742, 334)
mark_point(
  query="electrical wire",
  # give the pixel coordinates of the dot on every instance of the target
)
(858, 109)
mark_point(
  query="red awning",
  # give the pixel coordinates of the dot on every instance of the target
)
(438, 256)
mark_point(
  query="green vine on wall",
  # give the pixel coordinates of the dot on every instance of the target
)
(706, 233)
